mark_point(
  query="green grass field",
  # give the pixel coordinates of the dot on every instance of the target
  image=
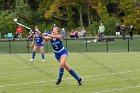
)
(113, 72)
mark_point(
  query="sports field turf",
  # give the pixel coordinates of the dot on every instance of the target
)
(112, 72)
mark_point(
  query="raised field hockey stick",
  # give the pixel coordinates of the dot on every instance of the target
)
(15, 20)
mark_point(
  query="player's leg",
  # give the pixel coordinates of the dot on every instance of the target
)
(34, 52)
(61, 69)
(73, 73)
(63, 64)
(42, 52)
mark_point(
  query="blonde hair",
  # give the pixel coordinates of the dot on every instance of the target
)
(58, 29)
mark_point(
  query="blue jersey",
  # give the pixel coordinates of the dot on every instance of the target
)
(38, 40)
(56, 44)
(58, 48)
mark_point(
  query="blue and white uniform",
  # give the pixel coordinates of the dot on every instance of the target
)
(58, 48)
(39, 41)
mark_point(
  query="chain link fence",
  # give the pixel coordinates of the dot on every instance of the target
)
(76, 45)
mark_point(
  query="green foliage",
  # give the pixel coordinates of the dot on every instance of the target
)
(43, 6)
(93, 28)
(7, 4)
(70, 24)
(110, 25)
(131, 14)
(6, 23)
(102, 12)
(67, 13)
(127, 6)
(53, 9)
(25, 15)
(133, 19)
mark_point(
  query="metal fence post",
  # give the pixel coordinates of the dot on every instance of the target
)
(107, 44)
(128, 44)
(86, 45)
(9, 46)
(27, 45)
(66, 44)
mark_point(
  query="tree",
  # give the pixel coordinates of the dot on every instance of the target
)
(21, 11)
(7, 4)
(131, 15)
(69, 17)
(127, 6)
(102, 11)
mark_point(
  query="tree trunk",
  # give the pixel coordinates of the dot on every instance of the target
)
(89, 20)
(81, 16)
(69, 17)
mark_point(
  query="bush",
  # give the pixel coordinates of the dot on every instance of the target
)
(6, 23)
(93, 28)
(110, 25)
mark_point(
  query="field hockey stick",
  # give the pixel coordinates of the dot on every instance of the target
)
(29, 46)
(15, 20)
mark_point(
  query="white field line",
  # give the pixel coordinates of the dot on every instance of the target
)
(24, 84)
(111, 73)
(116, 89)
(38, 82)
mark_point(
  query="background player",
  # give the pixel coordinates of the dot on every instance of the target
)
(39, 43)
(61, 55)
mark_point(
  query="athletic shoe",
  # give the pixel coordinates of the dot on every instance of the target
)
(42, 60)
(58, 82)
(80, 82)
(31, 60)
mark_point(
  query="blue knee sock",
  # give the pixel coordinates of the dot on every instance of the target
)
(43, 56)
(33, 55)
(72, 72)
(61, 72)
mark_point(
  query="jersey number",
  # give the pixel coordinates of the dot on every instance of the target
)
(55, 46)
(37, 40)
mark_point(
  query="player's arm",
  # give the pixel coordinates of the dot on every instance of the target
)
(56, 36)
(44, 36)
